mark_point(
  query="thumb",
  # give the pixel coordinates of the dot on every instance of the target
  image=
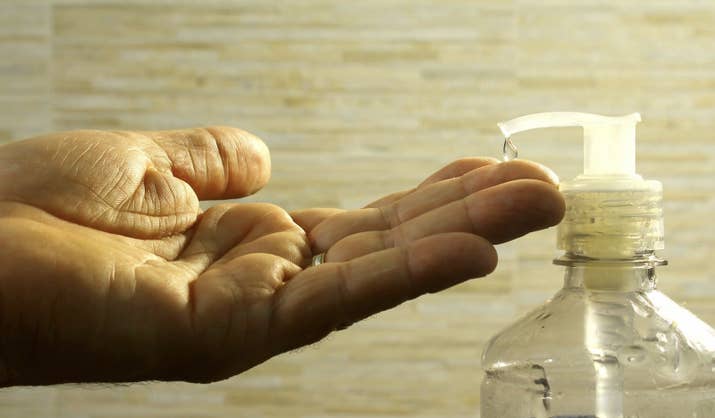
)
(218, 162)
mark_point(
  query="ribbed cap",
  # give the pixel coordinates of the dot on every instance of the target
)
(615, 218)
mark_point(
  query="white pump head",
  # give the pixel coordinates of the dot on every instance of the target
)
(609, 141)
(611, 212)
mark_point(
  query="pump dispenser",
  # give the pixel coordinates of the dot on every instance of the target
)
(609, 344)
(611, 211)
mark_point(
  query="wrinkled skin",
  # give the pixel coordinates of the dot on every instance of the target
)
(111, 273)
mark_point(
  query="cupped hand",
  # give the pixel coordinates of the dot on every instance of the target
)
(111, 273)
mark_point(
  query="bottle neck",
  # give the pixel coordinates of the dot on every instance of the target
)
(623, 275)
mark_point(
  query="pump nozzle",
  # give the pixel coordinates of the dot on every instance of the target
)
(609, 141)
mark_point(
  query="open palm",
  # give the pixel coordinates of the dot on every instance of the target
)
(112, 273)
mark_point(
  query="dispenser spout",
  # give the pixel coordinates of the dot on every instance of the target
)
(609, 141)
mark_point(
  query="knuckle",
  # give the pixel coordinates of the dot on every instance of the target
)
(391, 215)
(395, 237)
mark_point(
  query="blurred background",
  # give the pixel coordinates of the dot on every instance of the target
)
(357, 99)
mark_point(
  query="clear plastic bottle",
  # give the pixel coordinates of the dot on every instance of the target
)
(608, 344)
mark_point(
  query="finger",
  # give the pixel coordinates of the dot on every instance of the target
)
(334, 295)
(458, 168)
(230, 310)
(222, 227)
(161, 205)
(500, 213)
(451, 170)
(425, 199)
(310, 218)
(446, 191)
(291, 245)
(167, 248)
(218, 162)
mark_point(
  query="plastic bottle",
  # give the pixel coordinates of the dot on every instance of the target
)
(608, 344)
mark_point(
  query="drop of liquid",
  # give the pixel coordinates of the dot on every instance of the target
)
(509, 150)
(634, 354)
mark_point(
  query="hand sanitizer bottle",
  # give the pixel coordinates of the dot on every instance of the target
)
(608, 344)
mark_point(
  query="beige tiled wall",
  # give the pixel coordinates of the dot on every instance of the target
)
(357, 99)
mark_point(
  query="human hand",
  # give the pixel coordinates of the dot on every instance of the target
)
(112, 273)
